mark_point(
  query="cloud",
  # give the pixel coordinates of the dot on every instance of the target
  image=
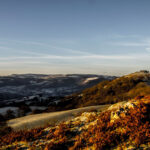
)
(72, 54)
(131, 44)
(52, 46)
(42, 46)
(148, 49)
(4, 48)
(17, 62)
(135, 42)
(121, 36)
(58, 57)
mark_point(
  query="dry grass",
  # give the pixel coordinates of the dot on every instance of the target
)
(41, 120)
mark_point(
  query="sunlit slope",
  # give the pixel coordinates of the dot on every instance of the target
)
(109, 92)
(40, 120)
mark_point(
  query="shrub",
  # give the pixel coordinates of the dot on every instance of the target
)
(4, 129)
(21, 136)
(135, 127)
(9, 114)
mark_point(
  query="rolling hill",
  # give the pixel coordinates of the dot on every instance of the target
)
(108, 92)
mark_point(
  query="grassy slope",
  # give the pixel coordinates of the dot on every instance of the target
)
(108, 92)
(40, 120)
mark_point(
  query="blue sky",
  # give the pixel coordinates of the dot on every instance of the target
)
(74, 36)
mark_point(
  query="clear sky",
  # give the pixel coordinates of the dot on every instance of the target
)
(74, 36)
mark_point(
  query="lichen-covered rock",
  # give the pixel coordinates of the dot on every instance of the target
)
(121, 109)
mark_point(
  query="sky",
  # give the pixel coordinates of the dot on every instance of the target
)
(109, 37)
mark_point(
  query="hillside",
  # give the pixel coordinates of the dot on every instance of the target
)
(124, 125)
(39, 120)
(109, 92)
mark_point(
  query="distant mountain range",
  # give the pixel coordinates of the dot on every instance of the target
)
(42, 90)
(18, 86)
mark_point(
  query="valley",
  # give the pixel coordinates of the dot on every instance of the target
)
(33, 93)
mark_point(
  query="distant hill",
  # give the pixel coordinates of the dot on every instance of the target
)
(18, 86)
(109, 92)
(33, 93)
